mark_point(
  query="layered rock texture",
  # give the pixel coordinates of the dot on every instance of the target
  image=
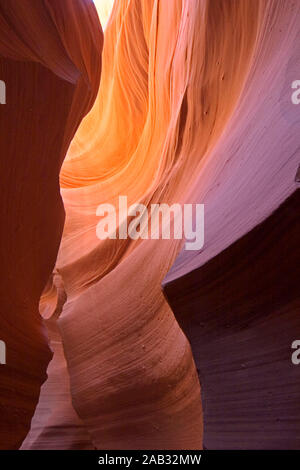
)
(51, 83)
(105, 338)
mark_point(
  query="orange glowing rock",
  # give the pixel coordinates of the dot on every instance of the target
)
(182, 115)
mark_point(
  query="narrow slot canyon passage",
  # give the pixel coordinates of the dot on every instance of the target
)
(121, 116)
(104, 8)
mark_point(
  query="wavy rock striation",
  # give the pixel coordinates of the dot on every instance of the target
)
(237, 300)
(133, 380)
(193, 107)
(49, 87)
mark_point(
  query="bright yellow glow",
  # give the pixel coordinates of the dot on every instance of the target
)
(104, 8)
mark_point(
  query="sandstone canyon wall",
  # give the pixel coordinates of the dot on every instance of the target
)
(193, 107)
(50, 87)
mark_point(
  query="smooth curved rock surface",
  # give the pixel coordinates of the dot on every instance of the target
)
(49, 89)
(140, 140)
(240, 312)
(193, 107)
(237, 300)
